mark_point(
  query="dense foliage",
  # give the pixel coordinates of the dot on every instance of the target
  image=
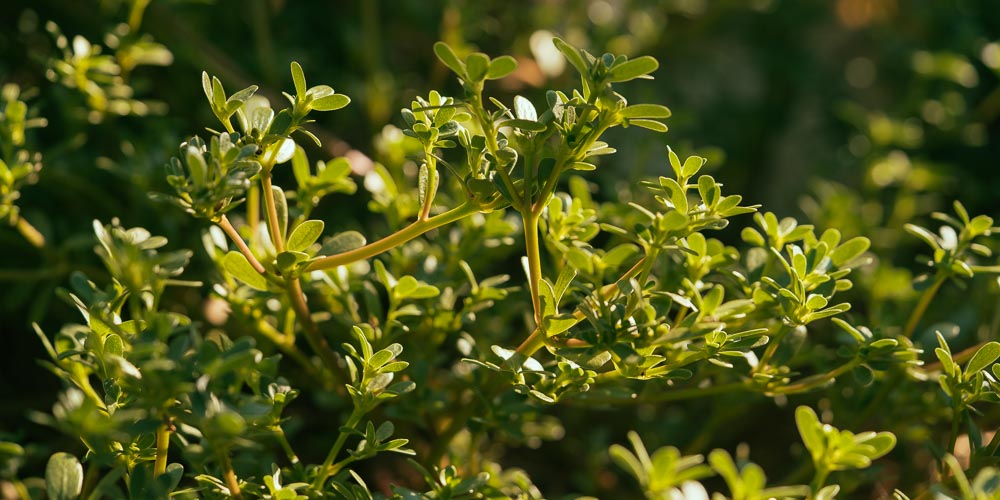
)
(518, 290)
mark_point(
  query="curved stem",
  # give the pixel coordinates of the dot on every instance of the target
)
(772, 347)
(395, 239)
(286, 347)
(921, 308)
(326, 469)
(313, 335)
(230, 231)
(279, 433)
(814, 381)
(819, 479)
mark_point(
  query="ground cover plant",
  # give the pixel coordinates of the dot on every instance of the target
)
(473, 313)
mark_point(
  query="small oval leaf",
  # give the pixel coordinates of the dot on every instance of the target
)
(63, 477)
(305, 235)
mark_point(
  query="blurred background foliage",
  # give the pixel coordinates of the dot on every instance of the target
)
(857, 114)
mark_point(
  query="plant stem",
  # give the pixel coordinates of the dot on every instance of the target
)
(286, 347)
(395, 239)
(772, 347)
(162, 445)
(536, 339)
(253, 209)
(313, 335)
(534, 256)
(89, 480)
(29, 232)
(325, 469)
(925, 300)
(279, 433)
(230, 477)
(242, 245)
(814, 381)
(273, 226)
(952, 438)
(819, 479)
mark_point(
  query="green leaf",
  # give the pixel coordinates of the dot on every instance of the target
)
(882, 443)
(238, 265)
(980, 225)
(63, 477)
(342, 242)
(923, 234)
(476, 66)
(984, 357)
(114, 345)
(409, 288)
(526, 125)
(621, 456)
(447, 57)
(501, 67)
(849, 250)
(330, 102)
(305, 235)
(299, 79)
(645, 111)
(653, 125)
(811, 431)
(632, 69)
(206, 85)
(572, 55)
(524, 110)
(828, 493)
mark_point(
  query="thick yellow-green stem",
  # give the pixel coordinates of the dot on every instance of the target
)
(273, 226)
(533, 253)
(395, 239)
(162, 445)
(229, 476)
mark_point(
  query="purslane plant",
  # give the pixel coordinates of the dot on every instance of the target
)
(628, 305)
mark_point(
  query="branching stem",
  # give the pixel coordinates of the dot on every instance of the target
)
(395, 239)
(240, 244)
(326, 469)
